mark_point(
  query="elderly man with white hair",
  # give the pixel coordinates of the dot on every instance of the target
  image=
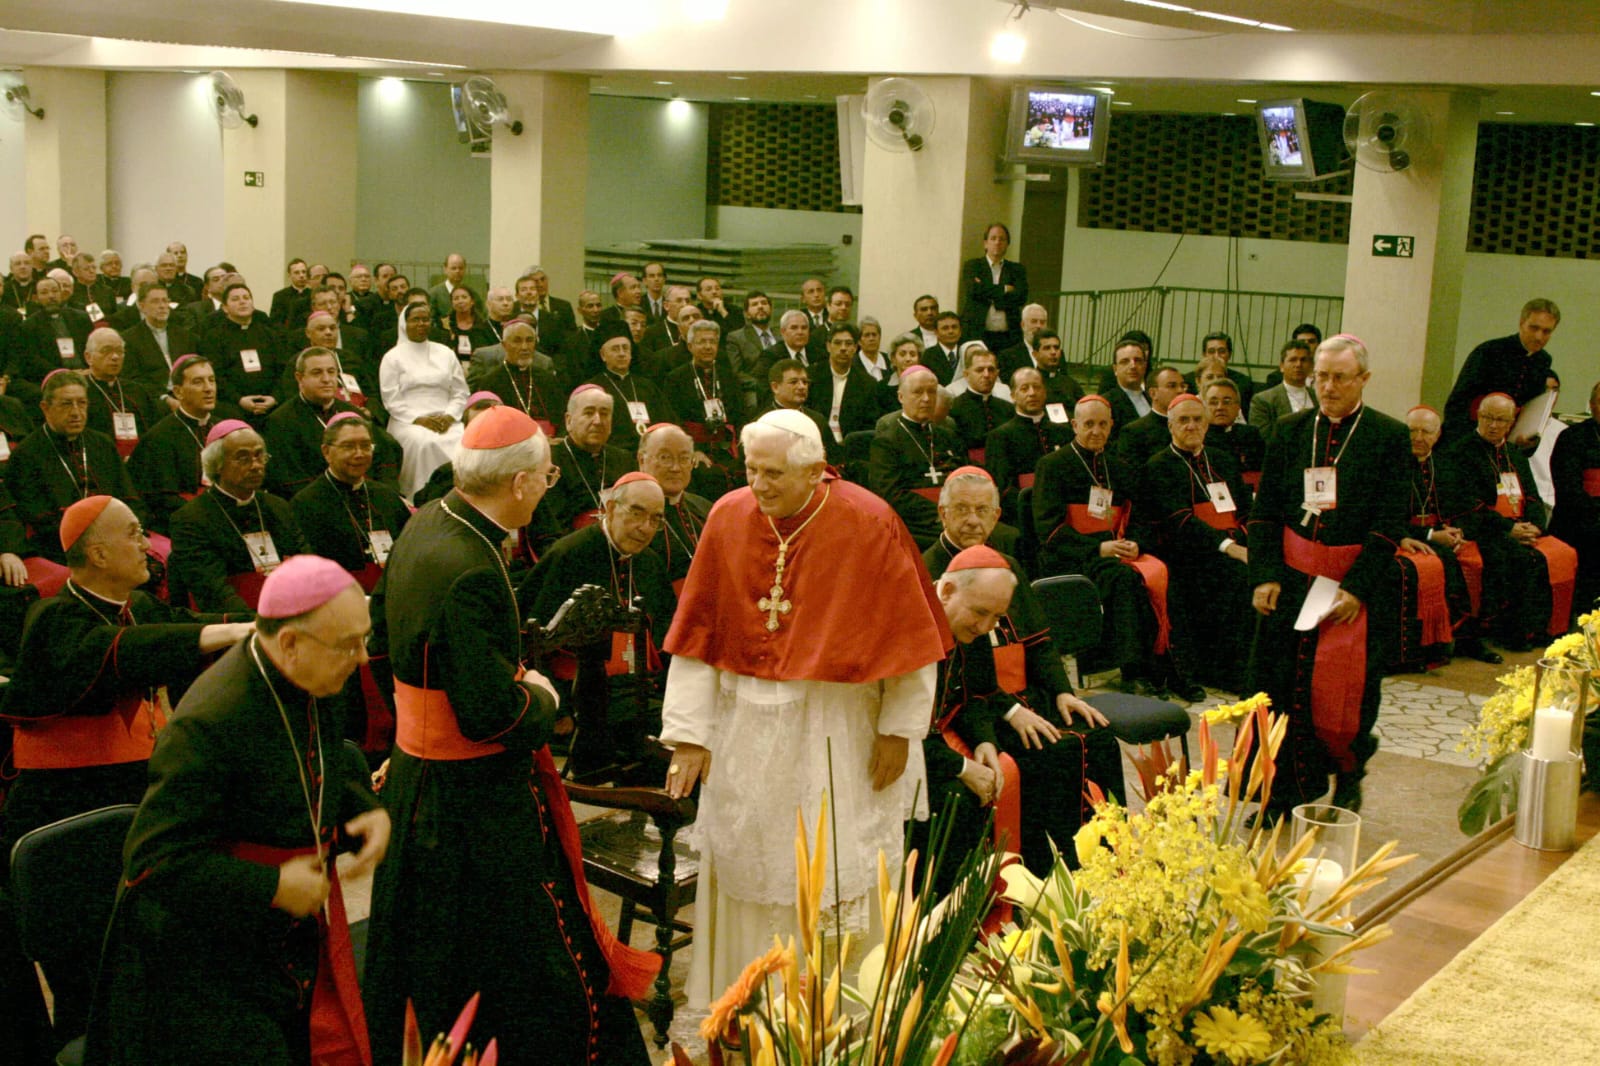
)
(775, 666)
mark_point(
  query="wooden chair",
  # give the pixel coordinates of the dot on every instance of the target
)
(632, 852)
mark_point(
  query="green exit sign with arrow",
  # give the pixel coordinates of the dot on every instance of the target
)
(1393, 245)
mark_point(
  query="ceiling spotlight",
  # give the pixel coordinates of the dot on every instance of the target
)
(1242, 100)
(1505, 112)
(1122, 103)
(1583, 123)
(663, 83)
(1007, 47)
(737, 77)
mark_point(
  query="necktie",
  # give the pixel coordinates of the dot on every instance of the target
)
(766, 340)
(950, 353)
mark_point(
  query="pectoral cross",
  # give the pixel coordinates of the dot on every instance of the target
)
(774, 604)
(1312, 510)
(933, 474)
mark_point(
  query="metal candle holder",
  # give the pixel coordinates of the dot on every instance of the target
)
(1551, 761)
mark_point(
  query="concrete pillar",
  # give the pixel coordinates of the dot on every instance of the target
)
(304, 148)
(923, 213)
(65, 155)
(1406, 309)
(538, 181)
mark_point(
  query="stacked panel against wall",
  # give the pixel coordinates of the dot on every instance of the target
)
(1534, 191)
(774, 155)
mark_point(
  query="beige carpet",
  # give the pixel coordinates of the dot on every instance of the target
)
(1526, 991)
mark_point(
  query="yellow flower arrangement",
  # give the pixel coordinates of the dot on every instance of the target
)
(1225, 1034)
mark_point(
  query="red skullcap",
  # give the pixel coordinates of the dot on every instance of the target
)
(1424, 407)
(1088, 397)
(1182, 397)
(1489, 396)
(313, 316)
(79, 517)
(223, 428)
(53, 373)
(632, 476)
(975, 471)
(177, 364)
(482, 396)
(977, 557)
(301, 584)
(499, 427)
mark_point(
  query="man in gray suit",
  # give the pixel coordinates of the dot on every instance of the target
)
(1293, 393)
(747, 346)
(455, 274)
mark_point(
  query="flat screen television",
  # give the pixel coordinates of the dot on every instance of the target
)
(1301, 140)
(1057, 125)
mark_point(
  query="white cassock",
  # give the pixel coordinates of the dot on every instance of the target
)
(419, 378)
(769, 743)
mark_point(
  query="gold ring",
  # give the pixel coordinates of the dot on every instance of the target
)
(672, 769)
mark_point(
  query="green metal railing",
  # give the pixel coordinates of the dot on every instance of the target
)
(1177, 318)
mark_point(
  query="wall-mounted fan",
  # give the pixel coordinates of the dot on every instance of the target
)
(486, 106)
(18, 104)
(227, 99)
(899, 115)
(1384, 131)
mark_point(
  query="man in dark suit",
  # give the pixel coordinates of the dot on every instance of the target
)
(1014, 448)
(1129, 401)
(943, 358)
(994, 290)
(1292, 393)
(1143, 437)
(455, 275)
(796, 341)
(653, 302)
(708, 295)
(207, 301)
(665, 333)
(842, 392)
(52, 337)
(155, 341)
(286, 300)
(626, 293)
(1060, 387)
(109, 284)
(747, 345)
(1219, 345)
(814, 303)
(180, 254)
(981, 403)
(17, 289)
(1014, 358)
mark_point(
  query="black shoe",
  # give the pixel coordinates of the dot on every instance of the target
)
(1347, 792)
(1189, 692)
(1477, 649)
(1140, 686)
(1516, 645)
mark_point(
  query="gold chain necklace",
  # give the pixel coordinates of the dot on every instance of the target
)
(774, 603)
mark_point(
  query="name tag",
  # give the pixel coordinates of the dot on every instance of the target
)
(639, 413)
(93, 311)
(381, 544)
(1100, 501)
(463, 345)
(1510, 485)
(1221, 498)
(263, 553)
(251, 359)
(124, 425)
(351, 385)
(5, 448)
(1322, 487)
(1057, 413)
(714, 411)
(836, 428)
(67, 347)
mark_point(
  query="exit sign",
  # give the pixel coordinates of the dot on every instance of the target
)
(1393, 245)
(255, 179)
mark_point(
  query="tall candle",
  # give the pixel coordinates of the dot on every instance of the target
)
(1324, 876)
(1552, 733)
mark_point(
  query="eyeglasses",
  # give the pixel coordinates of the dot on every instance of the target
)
(1322, 377)
(248, 457)
(550, 476)
(634, 513)
(967, 510)
(358, 446)
(1495, 420)
(671, 461)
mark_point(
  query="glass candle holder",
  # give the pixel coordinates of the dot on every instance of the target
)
(1334, 855)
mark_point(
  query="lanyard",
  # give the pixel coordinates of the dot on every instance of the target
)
(1333, 460)
(533, 390)
(600, 461)
(120, 404)
(313, 807)
(618, 382)
(1090, 468)
(1194, 474)
(346, 497)
(260, 518)
(62, 459)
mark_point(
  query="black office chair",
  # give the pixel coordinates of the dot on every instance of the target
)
(1072, 610)
(64, 879)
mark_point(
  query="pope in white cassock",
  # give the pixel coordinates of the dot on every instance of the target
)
(806, 618)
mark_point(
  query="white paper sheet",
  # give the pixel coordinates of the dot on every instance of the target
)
(1534, 415)
(1319, 601)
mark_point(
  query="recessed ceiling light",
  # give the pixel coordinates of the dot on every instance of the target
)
(663, 83)
(1275, 27)
(1242, 100)
(1229, 114)
(741, 98)
(1162, 4)
(1505, 112)
(1122, 103)
(1583, 123)
(1594, 92)
(1221, 17)
(1007, 47)
(737, 77)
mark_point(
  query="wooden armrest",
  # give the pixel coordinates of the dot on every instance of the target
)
(652, 801)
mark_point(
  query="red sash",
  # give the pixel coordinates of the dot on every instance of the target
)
(1011, 667)
(124, 734)
(1008, 809)
(1591, 481)
(927, 492)
(367, 577)
(125, 447)
(1025, 481)
(160, 545)
(1224, 520)
(49, 578)
(584, 519)
(248, 586)
(1471, 561)
(975, 456)
(1561, 562)
(1153, 570)
(564, 664)
(428, 729)
(1339, 672)
(715, 433)
(1505, 508)
(1433, 610)
(1253, 479)
(1424, 522)
(338, 1024)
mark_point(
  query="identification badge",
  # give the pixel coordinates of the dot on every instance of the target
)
(251, 360)
(124, 426)
(93, 311)
(1511, 485)
(1057, 413)
(67, 347)
(263, 553)
(1100, 501)
(639, 413)
(5, 448)
(1221, 498)
(463, 345)
(351, 385)
(1322, 487)
(714, 411)
(382, 543)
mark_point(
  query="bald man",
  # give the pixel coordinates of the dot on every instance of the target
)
(667, 454)
(912, 455)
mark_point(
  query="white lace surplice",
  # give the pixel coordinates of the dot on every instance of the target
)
(769, 742)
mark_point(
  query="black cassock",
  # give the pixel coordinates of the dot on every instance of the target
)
(1012, 452)
(294, 436)
(165, 466)
(339, 521)
(576, 497)
(910, 461)
(49, 473)
(198, 965)
(476, 894)
(1372, 455)
(1417, 645)
(1575, 471)
(679, 535)
(1208, 596)
(531, 389)
(212, 560)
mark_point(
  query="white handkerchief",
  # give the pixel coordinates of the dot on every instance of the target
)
(1319, 601)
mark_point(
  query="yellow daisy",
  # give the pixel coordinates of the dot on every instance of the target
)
(1239, 1038)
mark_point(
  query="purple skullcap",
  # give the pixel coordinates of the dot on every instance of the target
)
(301, 584)
(225, 427)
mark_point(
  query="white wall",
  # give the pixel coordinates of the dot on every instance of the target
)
(419, 194)
(164, 162)
(811, 227)
(1495, 288)
(647, 170)
(14, 207)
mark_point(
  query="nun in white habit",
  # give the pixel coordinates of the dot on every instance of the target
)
(426, 392)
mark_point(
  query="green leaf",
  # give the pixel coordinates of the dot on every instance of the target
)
(1491, 797)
